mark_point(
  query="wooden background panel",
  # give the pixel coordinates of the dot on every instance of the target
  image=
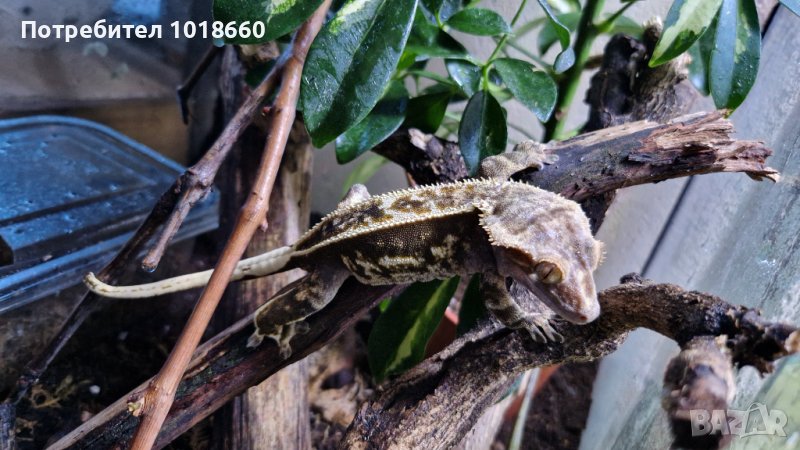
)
(729, 236)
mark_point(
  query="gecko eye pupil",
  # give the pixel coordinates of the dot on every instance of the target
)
(549, 273)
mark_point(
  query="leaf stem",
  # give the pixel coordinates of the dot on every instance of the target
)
(568, 85)
(505, 37)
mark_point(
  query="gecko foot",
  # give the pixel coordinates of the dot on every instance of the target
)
(282, 335)
(541, 330)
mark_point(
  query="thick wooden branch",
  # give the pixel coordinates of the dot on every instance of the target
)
(606, 160)
(417, 410)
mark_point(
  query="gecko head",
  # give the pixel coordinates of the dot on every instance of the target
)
(562, 280)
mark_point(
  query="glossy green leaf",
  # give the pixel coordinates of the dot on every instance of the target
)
(736, 53)
(792, 5)
(350, 63)
(700, 53)
(427, 111)
(686, 21)
(381, 122)
(465, 74)
(432, 6)
(479, 21)
(533, 88)
(363, 171)
(279, 16)
(560, 29)
(548, 34)
(428, 41)
(564, 61)
(482, 131)
(472, 307)
(449, 7)
(401, 333)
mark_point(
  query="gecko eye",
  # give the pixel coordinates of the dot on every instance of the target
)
(549, 273)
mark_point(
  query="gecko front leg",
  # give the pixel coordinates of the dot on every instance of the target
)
(526, 155)
(283, 316)
(505, 308)
(357, 193)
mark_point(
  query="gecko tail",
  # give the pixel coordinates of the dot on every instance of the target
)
(254, 267)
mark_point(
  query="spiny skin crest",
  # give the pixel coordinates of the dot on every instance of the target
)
(409, 206)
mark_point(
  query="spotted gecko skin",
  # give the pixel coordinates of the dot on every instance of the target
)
(499, 229)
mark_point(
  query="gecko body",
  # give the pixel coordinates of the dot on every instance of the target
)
(499, 229)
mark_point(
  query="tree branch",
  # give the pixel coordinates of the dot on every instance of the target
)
(417, 410)
(604, 160)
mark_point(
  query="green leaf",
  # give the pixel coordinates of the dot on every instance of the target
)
(533, 88)
(561, 30)
(427, 111)
(449, 7)
(564, 61)
(466, 75)
(700, 53)
(350, 63)
(472, 307)
(398, 339)
(279, 16)
(549, 34)
(482, 131)
(686, 21)
(381, 122)
(363, 171)
(479, 21)
(736, 53)
(792, 5)
(428, 41)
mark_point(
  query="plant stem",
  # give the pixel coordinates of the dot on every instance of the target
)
(505, 37)
(568, 85)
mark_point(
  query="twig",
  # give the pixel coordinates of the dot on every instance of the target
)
(185, 89)
(196, 182)
(157, 399)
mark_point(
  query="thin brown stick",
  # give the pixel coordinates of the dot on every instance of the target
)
(158, 398)
(196, 182)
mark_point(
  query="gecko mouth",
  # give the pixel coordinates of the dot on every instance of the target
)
(575, 314)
